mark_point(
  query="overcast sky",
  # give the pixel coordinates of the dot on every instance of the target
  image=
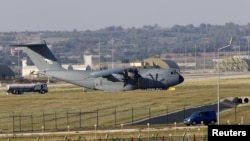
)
(66, 15)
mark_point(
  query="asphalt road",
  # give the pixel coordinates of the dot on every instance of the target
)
(178, 116)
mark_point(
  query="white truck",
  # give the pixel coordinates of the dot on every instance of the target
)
(21, 88)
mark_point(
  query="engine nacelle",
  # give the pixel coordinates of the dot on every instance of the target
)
(242, 100)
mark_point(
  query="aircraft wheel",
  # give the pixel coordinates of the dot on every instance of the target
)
(42, 92)
(84, 90)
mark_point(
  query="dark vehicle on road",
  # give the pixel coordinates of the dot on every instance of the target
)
(201, 117)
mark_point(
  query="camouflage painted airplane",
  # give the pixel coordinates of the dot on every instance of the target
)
(115, 79)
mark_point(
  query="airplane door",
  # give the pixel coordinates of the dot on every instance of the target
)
(150, 83)
(98, 82)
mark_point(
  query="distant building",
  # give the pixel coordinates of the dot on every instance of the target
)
(87, 60)
(233, 64)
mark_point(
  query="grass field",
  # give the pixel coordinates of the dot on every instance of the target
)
(192, 92)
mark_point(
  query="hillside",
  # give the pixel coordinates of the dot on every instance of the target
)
(179, 43)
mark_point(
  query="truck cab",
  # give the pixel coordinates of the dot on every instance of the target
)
(41, 88)
(201, 117)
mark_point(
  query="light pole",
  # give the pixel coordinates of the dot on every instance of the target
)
(185, 58)
(248, 49)
(68, 130)
(218, 81)
(148, 124)
(112, 52)
(121, 130)
(195, 56)
(99, 45)
(204, 52)
(43, 132)
(175, 128)
(95, 131)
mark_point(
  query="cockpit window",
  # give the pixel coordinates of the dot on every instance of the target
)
(174, 72)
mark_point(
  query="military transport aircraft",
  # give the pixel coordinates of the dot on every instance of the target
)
(115, 79)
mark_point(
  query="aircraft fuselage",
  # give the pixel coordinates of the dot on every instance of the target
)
(149, 79)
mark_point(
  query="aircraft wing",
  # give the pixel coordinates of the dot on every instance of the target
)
(107, 72)
(114, 75)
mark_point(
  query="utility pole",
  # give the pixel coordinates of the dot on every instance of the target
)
(99, 45)
(195, 55)
(112, 52)
(185, 57)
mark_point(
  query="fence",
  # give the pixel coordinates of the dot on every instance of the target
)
(106, 119)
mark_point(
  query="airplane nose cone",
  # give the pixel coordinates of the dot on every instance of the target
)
(181, 79)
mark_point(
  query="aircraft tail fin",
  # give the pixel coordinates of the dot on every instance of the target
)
(41, 56)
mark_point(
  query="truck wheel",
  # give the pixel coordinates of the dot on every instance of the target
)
(14, 92)
(194, 123)
(212, 122)
(20, 92)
